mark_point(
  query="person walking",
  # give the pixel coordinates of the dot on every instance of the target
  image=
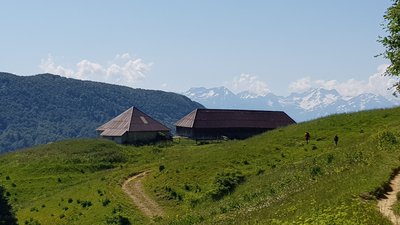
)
(307, 136)
(336, 139)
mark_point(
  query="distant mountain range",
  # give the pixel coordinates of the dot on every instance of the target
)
(45, 108)
(304, 106)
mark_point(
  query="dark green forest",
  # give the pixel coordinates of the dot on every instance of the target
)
(45, 108)
(6, 213)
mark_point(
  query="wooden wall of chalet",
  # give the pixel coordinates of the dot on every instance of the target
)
(136, 137)
(218, 133)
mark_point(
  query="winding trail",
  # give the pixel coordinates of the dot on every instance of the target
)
(385, 204)
(134, 188)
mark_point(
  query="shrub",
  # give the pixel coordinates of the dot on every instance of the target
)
(106, 201)
(85, 204)
(260, 172)
(187, 187)
(225, 183)
(31, 221)
(193, 199)
(386, 140)
(330, 158)
(161, 168)
(172, 194)
(316, 171)
(355, 157)
(189, 219)
(118, 220)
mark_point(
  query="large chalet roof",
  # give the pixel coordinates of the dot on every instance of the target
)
(132, 120)
(226, 118)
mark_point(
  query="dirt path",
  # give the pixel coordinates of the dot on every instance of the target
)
(134, 188)
(385, 204)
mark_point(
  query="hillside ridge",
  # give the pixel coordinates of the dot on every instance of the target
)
(45, 108)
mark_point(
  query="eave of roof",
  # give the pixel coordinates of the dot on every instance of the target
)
(188, 120)
(132, 120)
(223, 118)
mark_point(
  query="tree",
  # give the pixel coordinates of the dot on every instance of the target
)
(7, 215)
(392, 41)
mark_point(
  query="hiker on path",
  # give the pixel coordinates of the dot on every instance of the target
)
(307, 137)
(336, 139)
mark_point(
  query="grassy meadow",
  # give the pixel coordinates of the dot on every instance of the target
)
(272, 178)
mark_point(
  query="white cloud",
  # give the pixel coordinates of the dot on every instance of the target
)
(48, 66)
(123, 70)
(250, 83)
(300, 85)
(380, 84)
(376, 84)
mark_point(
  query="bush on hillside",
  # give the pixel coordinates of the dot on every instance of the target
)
(118, 220)
(385, 140)
(225, 183)
(316, 171)
(172, 194)
(31, 221)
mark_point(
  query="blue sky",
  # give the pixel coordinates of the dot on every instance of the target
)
(261, 46)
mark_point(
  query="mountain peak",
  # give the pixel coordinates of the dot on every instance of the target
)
(310, 104)
(201, 93)
(249, 95)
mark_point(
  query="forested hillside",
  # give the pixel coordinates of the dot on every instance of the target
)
(45, 108)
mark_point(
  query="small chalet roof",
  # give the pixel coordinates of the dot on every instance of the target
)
(132, 120)
(226, 118)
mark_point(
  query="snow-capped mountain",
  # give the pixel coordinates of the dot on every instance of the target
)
(219, 97)
(308, 105)
(202, 93)
(313, 99)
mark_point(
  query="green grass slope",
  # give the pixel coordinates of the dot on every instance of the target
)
(273, 178)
